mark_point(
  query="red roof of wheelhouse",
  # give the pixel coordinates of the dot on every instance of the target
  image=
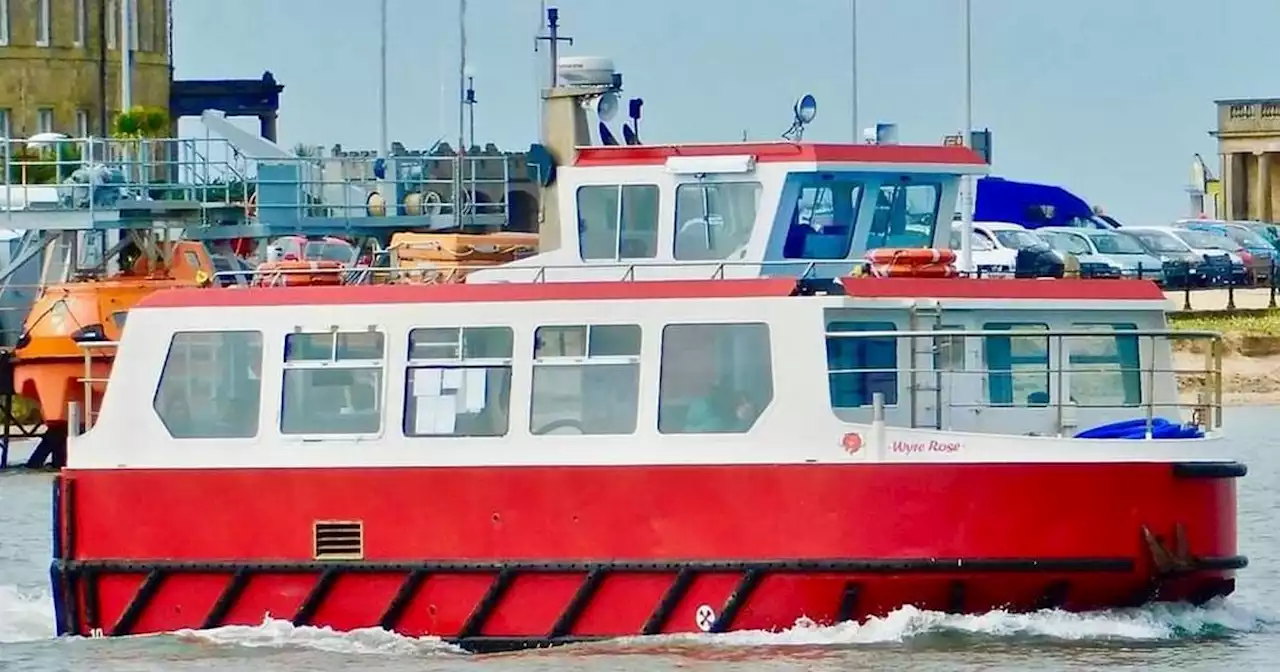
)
(780, 152)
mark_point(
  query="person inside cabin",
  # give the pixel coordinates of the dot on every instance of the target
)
(699, 396)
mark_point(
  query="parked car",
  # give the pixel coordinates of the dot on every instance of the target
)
(988, 260)
(1209, 245)
(1071, 241)
(1268, 230)
(1257, 252)
(1035, 258)
(1182, 266)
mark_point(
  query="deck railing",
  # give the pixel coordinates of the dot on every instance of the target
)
(1207, 382)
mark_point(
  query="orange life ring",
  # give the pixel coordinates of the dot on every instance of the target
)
(911, 256)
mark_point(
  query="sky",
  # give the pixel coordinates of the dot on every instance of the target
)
(1108, 98)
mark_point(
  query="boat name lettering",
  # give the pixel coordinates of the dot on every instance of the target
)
(932, 446)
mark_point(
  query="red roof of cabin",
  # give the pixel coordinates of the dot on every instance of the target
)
(1004, 288)
(773, 152)
(935, 288)
(471, 293)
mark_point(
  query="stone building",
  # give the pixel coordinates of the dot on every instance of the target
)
(60, 63)
(1248, 136)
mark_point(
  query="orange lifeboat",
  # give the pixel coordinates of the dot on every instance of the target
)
(49, 362)
(912, 263)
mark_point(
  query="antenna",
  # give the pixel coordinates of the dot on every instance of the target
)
(553, 37)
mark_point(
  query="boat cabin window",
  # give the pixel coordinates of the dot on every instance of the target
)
(458, 381)
(715, 378)
(210, 386)
(1105, 369)
(906, 216)
(859, 366)
(586, 379)
(823, 221)
(332, 382)
(618, 221)
(714, 219)
(1017, 366)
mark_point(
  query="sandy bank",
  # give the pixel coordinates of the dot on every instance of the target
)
(1250, 369)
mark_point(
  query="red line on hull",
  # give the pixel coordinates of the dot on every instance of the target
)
(656, 514)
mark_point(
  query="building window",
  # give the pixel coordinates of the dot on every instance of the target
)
(715, 378)
(618, 221)
(210, 386)
(586, 379)
(112, 27)
(859, 366)
(1105, 369)
(458, 382)
(44, 120)
(332, 383)
(906, 216)
(714, 219)
(82, 123)
(82, 23)
(1017, 366)
(4, 22)
(42, 23)
(823, 221)
(4, 122)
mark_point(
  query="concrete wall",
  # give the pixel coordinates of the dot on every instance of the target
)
(64, 76)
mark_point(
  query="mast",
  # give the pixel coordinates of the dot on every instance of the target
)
(966, 181)
(459, 174)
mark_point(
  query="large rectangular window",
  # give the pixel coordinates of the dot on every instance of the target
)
(1105, 369)
(458, 381)
(4, 127)
(906, 216)
(332, 383)
(714, 219)
(860, 366)
(618, 221)
(715, 378)
(1017, 366)
(823, 221)
(586, 379)
(210, 386)
(4, 26)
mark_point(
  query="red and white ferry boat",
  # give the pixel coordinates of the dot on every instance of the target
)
(686, 417)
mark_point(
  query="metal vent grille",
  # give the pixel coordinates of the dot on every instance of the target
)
(339, 540)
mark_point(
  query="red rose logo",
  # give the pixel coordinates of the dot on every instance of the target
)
(852, 442)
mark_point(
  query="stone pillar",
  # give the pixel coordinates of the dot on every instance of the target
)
(1262, 195)
(1234, 193)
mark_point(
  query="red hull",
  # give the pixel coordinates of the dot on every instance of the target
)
(520, 556)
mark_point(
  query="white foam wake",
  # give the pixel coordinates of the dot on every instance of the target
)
(28, 616)
(25, 615)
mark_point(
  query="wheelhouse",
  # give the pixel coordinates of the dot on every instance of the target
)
(752, 209)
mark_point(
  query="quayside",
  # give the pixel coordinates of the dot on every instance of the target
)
(711, 401)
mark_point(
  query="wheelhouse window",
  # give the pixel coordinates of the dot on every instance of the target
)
(458, 382)
(1105, 369)
(1017, 365)
(618, 221)
(586, 379)
(906, 216)
(823, 221)
(211, 386)
(715, 378)
(714, 219)
(859, 366)
(332, 383)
